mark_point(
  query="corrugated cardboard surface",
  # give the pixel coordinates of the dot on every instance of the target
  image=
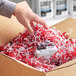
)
(67, 69)
(9, 67)
(66, 24)
(9, 29)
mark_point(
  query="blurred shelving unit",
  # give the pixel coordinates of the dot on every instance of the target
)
(43, 9)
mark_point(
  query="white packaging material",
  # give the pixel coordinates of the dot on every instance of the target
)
(49, 51)
(72, 7)
(60, 8)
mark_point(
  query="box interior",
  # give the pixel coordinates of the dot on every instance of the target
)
(10, 33)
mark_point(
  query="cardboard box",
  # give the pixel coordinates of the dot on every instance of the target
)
(9, 29)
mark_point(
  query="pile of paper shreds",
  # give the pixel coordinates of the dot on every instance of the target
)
(29, 49)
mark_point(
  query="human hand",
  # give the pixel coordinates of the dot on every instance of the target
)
(25, 16)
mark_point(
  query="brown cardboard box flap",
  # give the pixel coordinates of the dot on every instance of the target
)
(9, 29)
(67, 69)
(10, 67)
(65, 25)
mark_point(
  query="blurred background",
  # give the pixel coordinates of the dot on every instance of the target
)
(53, 11)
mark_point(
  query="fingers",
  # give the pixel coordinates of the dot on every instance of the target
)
(38, 19)
(29, 28)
